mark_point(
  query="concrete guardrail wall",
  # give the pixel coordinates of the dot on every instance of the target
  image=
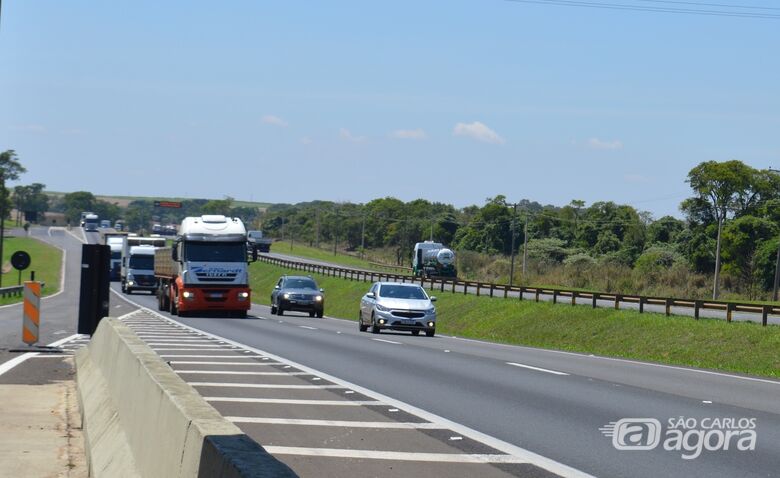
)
(141, 419)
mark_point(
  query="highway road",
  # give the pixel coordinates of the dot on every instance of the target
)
(683, 311)
(546, 402)
(497, 403)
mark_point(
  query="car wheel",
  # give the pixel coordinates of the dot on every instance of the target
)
(320, 314)
(374, 327)
(430, 333)
(415, 332)
(361, 327)
(311, 314)
(273, 309)
(279, 310)
(124, 288)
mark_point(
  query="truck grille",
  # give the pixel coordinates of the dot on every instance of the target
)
(145, 280)
(215, 295)
(230, 277)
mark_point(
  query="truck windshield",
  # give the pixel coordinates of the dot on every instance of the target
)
(116, 255)
(215, 251)
(145, 262)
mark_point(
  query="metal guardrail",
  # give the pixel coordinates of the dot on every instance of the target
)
(392, 267)
(498, 290)
(14, 290)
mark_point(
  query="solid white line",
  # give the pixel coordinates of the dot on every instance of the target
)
(221, 349)
(387, 341)
(554, 372)
(287, 401)
(257, 364)
(211, 356)
(172, 344)
(262, 385)
(336, 423)
(521, 453)
(307, 327)
(232, 372)
(10, 364)
(393, 455)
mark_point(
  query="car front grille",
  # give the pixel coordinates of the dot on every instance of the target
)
(409, 314)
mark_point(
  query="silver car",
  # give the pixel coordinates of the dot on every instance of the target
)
(395, 306)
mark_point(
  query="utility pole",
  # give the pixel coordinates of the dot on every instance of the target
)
(716, 282)
(336, 232)
(317, 221)
(512, 262)
(282, 228)
(363, 238)
(525, 242)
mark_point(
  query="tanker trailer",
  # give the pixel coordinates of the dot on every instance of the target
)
(432, 259)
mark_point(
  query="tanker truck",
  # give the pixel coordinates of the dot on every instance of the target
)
(206, 268)
(432, 259)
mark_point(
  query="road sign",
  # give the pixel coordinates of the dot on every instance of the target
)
(20, 260)
(31, 312)
(172, 204)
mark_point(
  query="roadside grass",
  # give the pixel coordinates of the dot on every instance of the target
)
(308, 252)
(742, 347)
(45, 260)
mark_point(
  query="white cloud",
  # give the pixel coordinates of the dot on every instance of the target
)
(306, 140)
(275, 120)
(346, 135)
(595, 143)
(477, 131)
(418, 133)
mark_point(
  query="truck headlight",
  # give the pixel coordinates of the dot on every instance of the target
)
(188, 295)
(318, 298)
(243, 295)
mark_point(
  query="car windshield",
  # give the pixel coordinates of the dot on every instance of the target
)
(402, 292)
(215, 251)
(145, 262)
(300, 284)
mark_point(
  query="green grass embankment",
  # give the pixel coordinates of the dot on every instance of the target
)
(707, 343)
(307, 252)
(45, 260)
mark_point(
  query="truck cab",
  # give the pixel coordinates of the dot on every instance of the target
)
(91, 222)
(138, 270)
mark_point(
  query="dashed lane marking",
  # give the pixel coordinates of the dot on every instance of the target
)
(387, 341)
(538, 369)
(233, 372)
(263, 385)
(289, 401)
(337, 423)
(191, 362)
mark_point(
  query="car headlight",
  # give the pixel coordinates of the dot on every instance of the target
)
(318, 298)
(286, 296)
(432, 310)
(382, 308)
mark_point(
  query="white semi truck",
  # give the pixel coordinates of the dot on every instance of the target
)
(137, 271)
(91, 222)
(206, 269)
(116, 241)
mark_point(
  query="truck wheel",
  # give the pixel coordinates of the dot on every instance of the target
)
(174, 310)
(240, 314)
(160, 305)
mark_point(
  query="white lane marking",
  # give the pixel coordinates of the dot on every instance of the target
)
(10, 364)
(287, 401)
(538, 369)
(388, 341)
(393, 410)
(615, 359)
(307, 327)
(173, 344)
(233, 372)
(456, 438)
(446, 351)
(262, 385)
(393, 455)
(255, 364)
(514, 450)
(184, 349)
(192, 342)
(210, 356)
(336, 423)
(706, 401)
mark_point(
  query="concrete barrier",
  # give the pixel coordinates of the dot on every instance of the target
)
(143, 420)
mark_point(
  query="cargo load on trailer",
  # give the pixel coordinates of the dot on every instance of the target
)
(206, 269)
(432, 259)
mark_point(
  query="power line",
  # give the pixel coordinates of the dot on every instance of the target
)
(659, 9)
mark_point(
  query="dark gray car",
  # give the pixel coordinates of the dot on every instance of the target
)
(298, 293)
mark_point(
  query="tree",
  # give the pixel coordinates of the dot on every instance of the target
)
(10, 169)
(741, 239)
(721, 188)
(77, 202)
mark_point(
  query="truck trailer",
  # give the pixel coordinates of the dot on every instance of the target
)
(137, 271)
(206, 269)
(116, 241)
(432, 259)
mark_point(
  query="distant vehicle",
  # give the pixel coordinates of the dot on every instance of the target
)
(138, 264)
(256, 241)
(432, 259)
(84, 215)
(119, 225)
(91, 222)
(298, 293)
(157, 229)
(396, 306)
(115, 240)
(169, 230)
(105, 224)
(206, 269)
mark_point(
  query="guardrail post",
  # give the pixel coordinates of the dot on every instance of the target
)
(696, 309)
(594, 297)
(442, 286)
(668, 307)
(453, 285)
(764, 314)
(520, 296)
(574, 298)
(465, 288)
(555, 296)
(537, 294)
(641, 304)
(729, 310)
(478, 287)
(617, 301)
(491, 290)
(506, 291)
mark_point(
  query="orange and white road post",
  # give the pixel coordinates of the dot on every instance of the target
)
(32, 312)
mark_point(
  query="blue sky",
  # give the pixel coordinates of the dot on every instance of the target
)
(453, 101)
